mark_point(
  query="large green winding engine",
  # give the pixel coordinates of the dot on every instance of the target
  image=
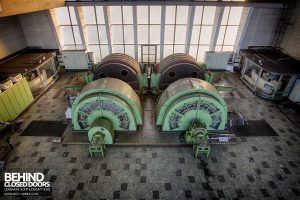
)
(104, 106)
(188, 100)
(195, 107)
(187, 104)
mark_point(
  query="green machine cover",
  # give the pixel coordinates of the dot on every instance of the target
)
(188, 100)
(110, 99)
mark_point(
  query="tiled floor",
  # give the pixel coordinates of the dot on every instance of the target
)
(256, 168)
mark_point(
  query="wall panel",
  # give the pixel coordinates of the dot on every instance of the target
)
(11, 36)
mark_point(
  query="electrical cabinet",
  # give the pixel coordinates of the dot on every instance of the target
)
(75, 60)
(217, 60)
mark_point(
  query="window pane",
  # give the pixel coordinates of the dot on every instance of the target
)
(139, 53)
(218, 48)
(117, 34)
(127, 15)
(201, 53)
(67, 36)
(206, 32)
(227, 48)
(89, 14)
(198, 15)
(142, 14)
(157, 53)
(115, 14)
(179, 48)
(104, 50)
(62, 16)
(235, 15)
(225, 15)
(129, 50)
(143, 34)
(169, 34)
(72, 15)
(96, 52)
(77, 35)
(221, 35)
(193, 50)
(146, 58)
(102, 34)
(182, 14)
(209, 15)
(118, 48)
(230, 36)
(155, 14)
(91, 33)
(180, 34)
(100, 15)
(168, 50)
(128, 34)
(154, 34)
(195, 34)
(170, 14)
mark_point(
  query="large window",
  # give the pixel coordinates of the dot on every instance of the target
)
(66, 24)
(168, 29)
(202, 31)
(121, 23)
(229, 28)
(149, 31)
(95, 33)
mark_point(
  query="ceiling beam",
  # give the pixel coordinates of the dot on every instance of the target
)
(247, 3)
(15, 7)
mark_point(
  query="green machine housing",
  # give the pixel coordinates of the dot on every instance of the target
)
(104, 106)
(191, 100)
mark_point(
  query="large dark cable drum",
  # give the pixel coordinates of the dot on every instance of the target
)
(121, 66)
(177, 66)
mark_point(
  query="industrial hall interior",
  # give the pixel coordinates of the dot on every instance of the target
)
(140, 100)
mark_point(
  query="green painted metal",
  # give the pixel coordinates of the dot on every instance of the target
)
(143, 81)
(191, 99)
(196, 128)
(224, 88)
(104, 128)
(154, 81)
(97, 146)
(73, 88)
(202, 66)
(89, 77)
(14, 100)
(107, 98)
(209, 77)
(142, 67)
(197, 135)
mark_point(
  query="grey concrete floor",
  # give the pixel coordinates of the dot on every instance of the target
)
(255, 168)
